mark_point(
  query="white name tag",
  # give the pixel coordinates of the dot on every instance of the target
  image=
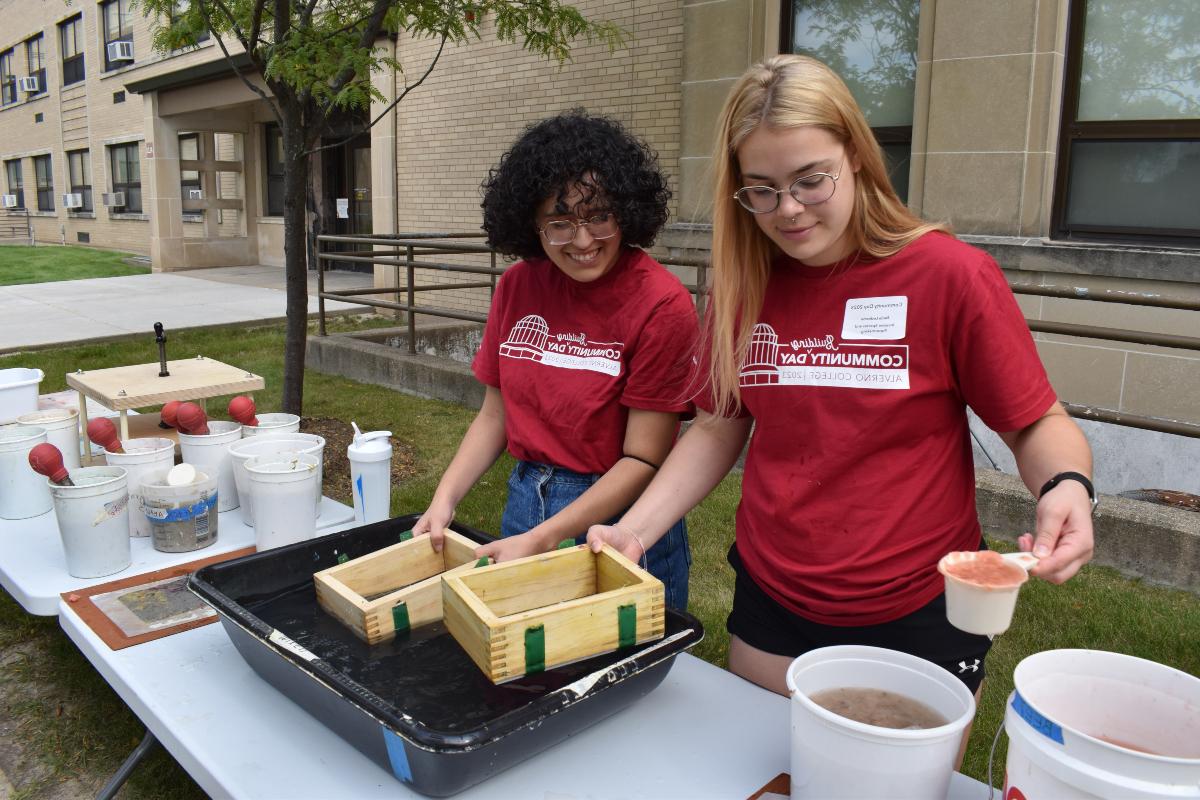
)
(875, 318)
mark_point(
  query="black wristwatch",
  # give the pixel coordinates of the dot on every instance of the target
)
(1071, 476)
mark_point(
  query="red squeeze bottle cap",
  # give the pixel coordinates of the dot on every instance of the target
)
(46, 459)
(102, 431)
(190, 418)
(241, 409)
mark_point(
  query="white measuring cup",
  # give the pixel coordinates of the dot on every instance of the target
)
(982, 588)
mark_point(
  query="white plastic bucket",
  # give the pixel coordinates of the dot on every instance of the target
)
(272, 444)
(23, 492)
(62, 431)
(93, 520)
(1065, 701)
(285, 488)
(272, 423)
(181, 518)
(141, 457)
(209, 453)
(18, 392)
(837, 757)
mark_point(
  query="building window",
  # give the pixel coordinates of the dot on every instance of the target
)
(79, 174)
(127, 175)
(8, 78)
(16, 185)
(873, 47)
(118, 27)
(1129, 166)
(273, 147)
(35, 59)
(192, 28)
(70, 37)
(189, 179)
(43, 173)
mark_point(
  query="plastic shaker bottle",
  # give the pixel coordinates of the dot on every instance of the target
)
(370, 457)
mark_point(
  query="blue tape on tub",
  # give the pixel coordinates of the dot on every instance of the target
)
(358, 485)
(396, 754)
(1039, 723)
(182, 514)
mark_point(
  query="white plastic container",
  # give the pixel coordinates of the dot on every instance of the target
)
(836, 757)
(18, 392)
(1073, 710)
(986, 610)
(270, 444)
(23, 492)
(209, 453)
(284, 490)
(181, 518)
(370, 457)
(93, 520)
(62, 431)
(141, 457)
(272, 423)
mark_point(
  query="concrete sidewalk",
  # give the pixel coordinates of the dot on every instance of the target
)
(37, 315)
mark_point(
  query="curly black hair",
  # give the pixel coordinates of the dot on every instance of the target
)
(555, 155)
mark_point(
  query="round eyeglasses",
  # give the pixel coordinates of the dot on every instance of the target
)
(807, 190)
(561, 231)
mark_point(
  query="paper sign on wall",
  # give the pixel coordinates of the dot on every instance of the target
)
(343, 207)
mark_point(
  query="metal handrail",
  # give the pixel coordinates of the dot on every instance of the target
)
(420, 244)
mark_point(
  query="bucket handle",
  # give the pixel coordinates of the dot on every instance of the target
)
(991, 760)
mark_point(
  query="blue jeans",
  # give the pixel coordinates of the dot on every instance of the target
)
(537, 492)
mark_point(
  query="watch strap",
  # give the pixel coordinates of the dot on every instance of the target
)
(1070, 476)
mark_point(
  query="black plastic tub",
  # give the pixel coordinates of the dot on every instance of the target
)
(416, 705)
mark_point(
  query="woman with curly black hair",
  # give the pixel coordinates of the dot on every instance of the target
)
(587, 350)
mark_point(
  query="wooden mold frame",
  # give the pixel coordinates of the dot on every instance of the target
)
(393, 589)
(520, 617)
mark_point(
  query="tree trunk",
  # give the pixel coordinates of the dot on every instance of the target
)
(295, 181)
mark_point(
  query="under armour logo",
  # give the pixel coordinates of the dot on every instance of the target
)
(963, 666)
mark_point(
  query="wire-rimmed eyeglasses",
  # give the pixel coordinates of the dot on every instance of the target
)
(562, 231)
(807, 190)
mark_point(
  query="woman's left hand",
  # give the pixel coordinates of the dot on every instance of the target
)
(1064, 539)
(511, 547)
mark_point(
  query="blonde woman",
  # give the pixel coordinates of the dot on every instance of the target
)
(851, 336)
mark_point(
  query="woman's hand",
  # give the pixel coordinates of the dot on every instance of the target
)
(511, 547)
(1064, 538)
(619, 537)
(434, 521)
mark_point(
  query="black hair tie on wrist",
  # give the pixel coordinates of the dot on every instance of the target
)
(649, 464)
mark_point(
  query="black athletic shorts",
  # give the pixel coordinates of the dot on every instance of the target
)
(762, 623)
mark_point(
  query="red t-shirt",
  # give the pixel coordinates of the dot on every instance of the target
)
(859, 476)
(570, 359)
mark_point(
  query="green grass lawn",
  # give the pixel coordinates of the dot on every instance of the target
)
(48, 262)
(81, 728)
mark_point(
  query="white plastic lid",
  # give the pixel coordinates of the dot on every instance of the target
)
(372, 446)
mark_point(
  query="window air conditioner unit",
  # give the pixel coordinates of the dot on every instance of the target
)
(114, 199)
(29, 85)
(10, 201)
(195, 194)
(120, 51)
(72, 200)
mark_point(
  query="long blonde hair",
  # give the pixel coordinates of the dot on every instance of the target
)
(786, 91)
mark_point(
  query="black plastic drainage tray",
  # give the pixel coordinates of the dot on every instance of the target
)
(416, 705)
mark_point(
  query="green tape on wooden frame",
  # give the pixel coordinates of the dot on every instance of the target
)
(535, 649)
(343, 558)
(406, 535)
(483, 562)
(627, 625)
(400, 616)
(565, 543)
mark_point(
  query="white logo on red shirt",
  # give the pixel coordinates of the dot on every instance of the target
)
(822, 361)
(530, 339)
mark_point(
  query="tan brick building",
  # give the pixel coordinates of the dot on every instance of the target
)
(1059, 134)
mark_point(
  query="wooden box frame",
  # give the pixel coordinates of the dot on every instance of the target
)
(366, 593)
(580, 600)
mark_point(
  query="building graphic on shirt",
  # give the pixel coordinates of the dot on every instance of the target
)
(822, 360)
(530, 339)
(759, 367)
(527, 339)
